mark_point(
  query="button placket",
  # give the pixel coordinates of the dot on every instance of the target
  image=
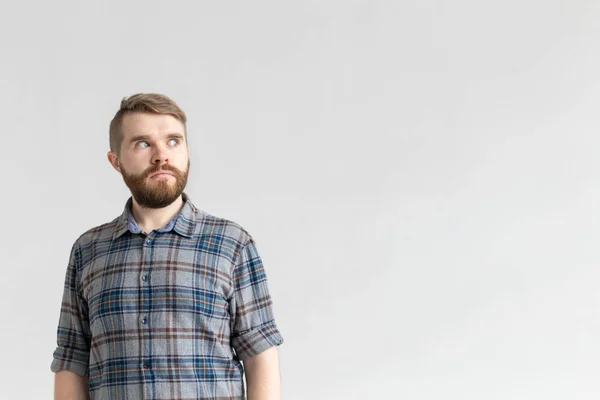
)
(145, 310)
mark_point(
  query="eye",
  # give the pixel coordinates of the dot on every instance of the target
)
(142, 145)
(173, 142)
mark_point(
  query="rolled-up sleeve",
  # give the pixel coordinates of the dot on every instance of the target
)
(253, 328)
(73, 333)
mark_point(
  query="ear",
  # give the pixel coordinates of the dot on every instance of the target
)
(114, 161)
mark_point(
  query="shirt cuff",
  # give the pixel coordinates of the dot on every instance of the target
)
(63, 363)
(256, 340)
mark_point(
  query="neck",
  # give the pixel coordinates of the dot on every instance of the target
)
(149, 219)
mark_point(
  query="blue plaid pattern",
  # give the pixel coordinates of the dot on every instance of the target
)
(166, 315)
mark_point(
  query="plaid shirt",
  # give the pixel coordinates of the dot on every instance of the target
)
(164, 315)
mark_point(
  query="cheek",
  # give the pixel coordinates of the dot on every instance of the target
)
(182, 161)
(184, 165)
(134, 165)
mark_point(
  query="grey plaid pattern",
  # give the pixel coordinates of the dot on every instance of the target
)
(166, 315)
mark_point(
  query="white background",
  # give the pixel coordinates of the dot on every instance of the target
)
(421, 178)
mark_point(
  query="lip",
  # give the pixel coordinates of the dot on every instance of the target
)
(161, 174)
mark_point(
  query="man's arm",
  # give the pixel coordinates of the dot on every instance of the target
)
(71, 357)
(70, 386)
(262, 376)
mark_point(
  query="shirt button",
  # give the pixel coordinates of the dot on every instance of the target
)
(148, 242)
(144, 320)
(145, 278)
(147, 365)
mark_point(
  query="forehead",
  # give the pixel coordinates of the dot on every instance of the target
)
(150, 124)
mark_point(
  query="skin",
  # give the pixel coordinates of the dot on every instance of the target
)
(70, 386)
(262, 375)
(151, 140)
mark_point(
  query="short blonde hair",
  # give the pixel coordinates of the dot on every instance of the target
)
(146, 103)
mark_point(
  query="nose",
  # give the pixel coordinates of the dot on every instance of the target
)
(160, 155)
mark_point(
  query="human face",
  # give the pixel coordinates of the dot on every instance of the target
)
(153, 159)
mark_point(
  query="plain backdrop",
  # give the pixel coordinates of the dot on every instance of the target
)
(421, 179)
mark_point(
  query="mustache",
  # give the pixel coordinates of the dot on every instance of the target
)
(157, 168)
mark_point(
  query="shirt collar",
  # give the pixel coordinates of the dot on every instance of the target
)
(184, 223)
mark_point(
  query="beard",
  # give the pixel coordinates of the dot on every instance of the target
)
(159, 193)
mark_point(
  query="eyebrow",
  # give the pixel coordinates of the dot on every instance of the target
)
(172, 135)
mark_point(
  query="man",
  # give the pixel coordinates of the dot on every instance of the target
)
(165, 301)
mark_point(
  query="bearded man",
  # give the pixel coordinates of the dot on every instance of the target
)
(166, 301)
